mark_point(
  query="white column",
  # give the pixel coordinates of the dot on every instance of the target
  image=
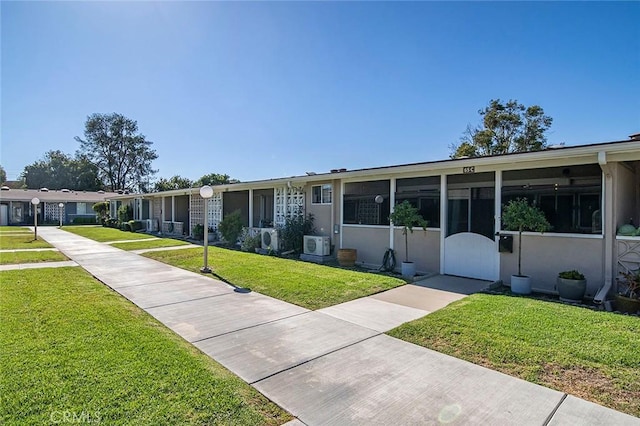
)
(162, 210)
(190, 214)
(341, 211)
(443, 218)
(139, 208)
(497, 221)
(392, 205)
(173, 208)
(250, 208)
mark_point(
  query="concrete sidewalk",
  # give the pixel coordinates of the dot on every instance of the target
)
(320, 367)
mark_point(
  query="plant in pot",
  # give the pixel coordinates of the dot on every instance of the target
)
(519, 215)
(407, 216)
(628, 297)
(571, 286)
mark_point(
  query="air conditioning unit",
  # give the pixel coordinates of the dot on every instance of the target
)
(320, 246)
(269, 238)
(152, 225)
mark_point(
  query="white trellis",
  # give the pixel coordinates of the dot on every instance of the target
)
(628, 254)
(289, 202)
(215, 210)
(51, 211)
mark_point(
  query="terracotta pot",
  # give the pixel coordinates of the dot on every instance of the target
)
(627, 304)
(347, 257)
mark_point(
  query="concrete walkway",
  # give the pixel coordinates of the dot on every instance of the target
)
(37, 265)
(319, 367)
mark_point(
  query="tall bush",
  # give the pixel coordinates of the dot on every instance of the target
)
(102, 211)
(125, 213)
(231, 226)
(295, 228)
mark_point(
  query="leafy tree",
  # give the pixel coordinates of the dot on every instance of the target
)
(407, 216)
(519, 215)
(506, 127)
(3, 175)
(174, 182)
(122, 155)
(212, 179)
(58, 170)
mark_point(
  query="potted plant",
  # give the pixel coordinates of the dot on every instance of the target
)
(519, 215)
(571, 286)
(628, 297)
(407, 216)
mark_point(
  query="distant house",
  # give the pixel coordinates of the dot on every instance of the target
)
(586, 193)
(16, 207)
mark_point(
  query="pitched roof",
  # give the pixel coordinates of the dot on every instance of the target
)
(54, 196)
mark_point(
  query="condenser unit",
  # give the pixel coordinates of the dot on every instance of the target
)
(320, 246)
(152, 225)
(269, 238)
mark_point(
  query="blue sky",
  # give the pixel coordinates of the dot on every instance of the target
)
(260, 90)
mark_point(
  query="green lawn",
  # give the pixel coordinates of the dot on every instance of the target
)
(70, 345)
(103, 234)
(590, 354)
(31, 257)
(305, 284)
(10, 242)
(142, 244)
(12, 229)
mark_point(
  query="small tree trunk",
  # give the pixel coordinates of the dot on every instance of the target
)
(519, 252)
(406, 246)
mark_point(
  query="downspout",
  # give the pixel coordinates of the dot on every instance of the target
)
(608, 227)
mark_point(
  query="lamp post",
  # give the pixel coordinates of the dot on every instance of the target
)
(206, 192)
(61, 205)
(35, 201)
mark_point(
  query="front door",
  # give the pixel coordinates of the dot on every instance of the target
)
(469, 247)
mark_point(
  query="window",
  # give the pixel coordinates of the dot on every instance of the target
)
(423, 193)
(81, 208)
(361, 206)
(321, 194)
(570, 197)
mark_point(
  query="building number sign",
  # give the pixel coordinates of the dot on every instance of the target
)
(469, 169)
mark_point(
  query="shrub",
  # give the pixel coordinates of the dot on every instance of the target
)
(231, 226)
(293, 232)
(198, 231)
(102, 211)
(125, 213)
(249, 243)
(571, 275)
(84, 221)
(136, 225)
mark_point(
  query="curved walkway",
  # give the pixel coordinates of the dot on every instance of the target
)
(321, 368)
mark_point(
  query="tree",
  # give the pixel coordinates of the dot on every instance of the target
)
(122, 155)
(3, 175)
(212, 179)
(175, 182)
(407, 216)
(58, 170)
(506, 127)
(519, 215)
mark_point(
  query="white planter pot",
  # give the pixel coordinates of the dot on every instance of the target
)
(520, 284)
(408, 269)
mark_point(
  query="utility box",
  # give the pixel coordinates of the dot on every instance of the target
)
(505, 244)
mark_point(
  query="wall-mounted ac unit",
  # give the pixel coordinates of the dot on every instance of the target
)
(269, 238)
(320, 246)
(152, 225)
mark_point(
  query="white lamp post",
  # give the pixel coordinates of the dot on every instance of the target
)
(35, 201)
(61, 205)
(206, 192)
